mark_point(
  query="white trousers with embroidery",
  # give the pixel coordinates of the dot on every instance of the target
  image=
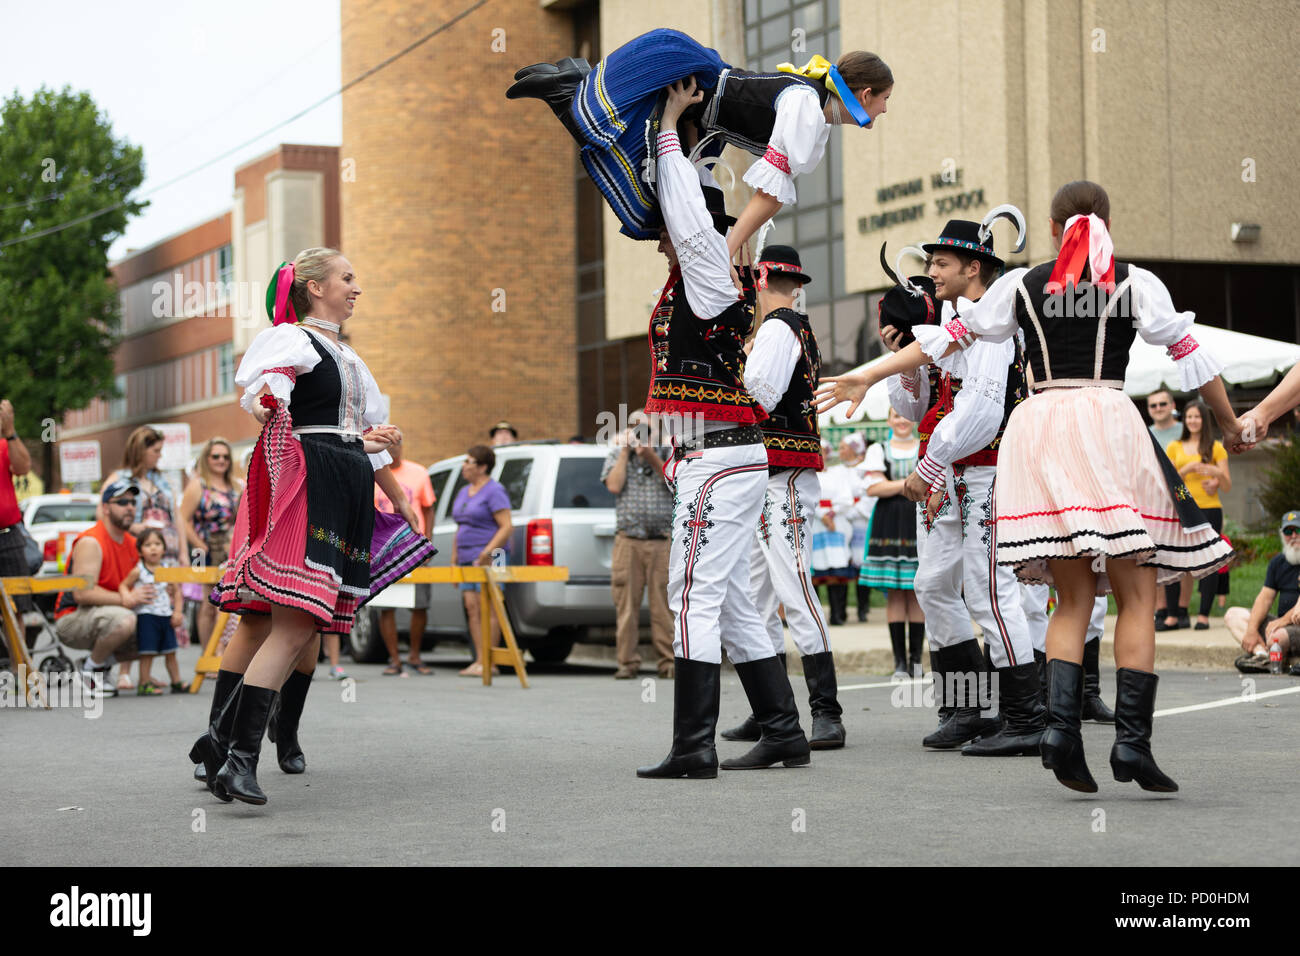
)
(718, 497)
(958, 577)
(1033, 598)
(781, 562)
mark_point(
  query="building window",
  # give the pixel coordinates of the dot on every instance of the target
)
(225, 369)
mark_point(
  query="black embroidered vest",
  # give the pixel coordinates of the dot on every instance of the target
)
(791, 433)
(331, 394)
(697, 366)
(743, 107)
(1065, 334)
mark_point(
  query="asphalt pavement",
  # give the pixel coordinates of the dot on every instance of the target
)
(441, 770)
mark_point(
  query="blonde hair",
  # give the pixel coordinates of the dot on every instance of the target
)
(310, 265)
(204, 471)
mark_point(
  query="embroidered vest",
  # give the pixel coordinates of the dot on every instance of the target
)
(330, 394)
(791, 433)
(1066, 335)
(949, 388)
(697, 366)
(743, 107)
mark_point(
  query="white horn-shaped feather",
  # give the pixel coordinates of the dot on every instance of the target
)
(898, 267)
(763, 230)
(1009, 212)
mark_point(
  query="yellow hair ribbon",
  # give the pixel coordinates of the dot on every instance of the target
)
(814, 69)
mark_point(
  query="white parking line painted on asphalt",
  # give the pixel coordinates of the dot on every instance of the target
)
(1239, 699)
(888, 683)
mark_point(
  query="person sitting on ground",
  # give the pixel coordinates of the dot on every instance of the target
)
(1255, 628)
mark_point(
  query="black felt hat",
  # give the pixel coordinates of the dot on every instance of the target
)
(962, 235)
(908, 303)
(783, 259)
(716, 201)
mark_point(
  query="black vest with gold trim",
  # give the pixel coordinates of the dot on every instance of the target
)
(697, 366)
(791, 433)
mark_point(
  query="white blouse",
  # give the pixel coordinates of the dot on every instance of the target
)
(976, 413)
(288, 346)
(1159, 323)
(798, 143)
(771, 363)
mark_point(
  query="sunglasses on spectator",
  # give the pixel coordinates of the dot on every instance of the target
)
(1290, 531)
(124, 502)
(1156, 404)
(219, 458)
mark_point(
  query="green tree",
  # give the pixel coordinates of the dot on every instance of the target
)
(59, 310)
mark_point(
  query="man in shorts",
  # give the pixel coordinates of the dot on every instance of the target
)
(1255, 629)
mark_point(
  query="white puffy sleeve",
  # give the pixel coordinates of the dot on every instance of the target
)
(797, 145)
(771, 363)
(910, 394)
(874, 462)
(275, 359)
(375, 412)
(976, 413)
(993, 317)
(1159, 323)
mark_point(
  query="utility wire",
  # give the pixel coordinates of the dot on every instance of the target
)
(51, 230)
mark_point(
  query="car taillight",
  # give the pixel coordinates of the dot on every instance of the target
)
(541, 536)
(51, 550)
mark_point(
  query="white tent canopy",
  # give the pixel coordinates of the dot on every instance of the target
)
(1246, 359)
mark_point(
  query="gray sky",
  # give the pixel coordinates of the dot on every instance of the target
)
(186, 80)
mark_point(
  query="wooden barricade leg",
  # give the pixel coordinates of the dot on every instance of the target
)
(15, 635)
(485, 633)
(509, 654)
(209, 661)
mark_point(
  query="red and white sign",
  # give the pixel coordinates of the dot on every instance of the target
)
(176, 446)
(79, 461)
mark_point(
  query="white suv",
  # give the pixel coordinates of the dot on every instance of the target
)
(54, 520)
(563, 515)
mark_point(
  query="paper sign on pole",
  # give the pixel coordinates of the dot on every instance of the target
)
(79, 461)
(176, 446)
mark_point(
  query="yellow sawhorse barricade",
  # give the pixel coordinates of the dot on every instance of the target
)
(15, 634)
(491, 578)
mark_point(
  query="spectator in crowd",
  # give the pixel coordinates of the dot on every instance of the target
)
(415, 484)
(1256, 628)
(643, 509)
(849, 500)
(1164, 417)
(481, 511)
(101, 618)
(208, 510)
(14, 463)
(832, 561)
(502, 433)
(890, 562)
(157, 621)
(1202, 462)
(155, 507)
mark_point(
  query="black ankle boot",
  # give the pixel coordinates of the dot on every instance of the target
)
(1062, 743)
(770, 696)
(1023, 718)
(864, 602)
(239, 773)
(828, 728)
(838, 595)
(555, 85)
(697, 694)
(963, 676)
(282, 728)
(1094, 708)
(209, 751)
(749, 729)
(1130, 758)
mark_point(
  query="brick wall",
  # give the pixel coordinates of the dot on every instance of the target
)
(459, 192)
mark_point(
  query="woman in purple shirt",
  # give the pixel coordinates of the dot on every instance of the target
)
(482, 515)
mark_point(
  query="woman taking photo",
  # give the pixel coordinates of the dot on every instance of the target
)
(1079, 474)
(309, 549)
(1202, 463)
(890, 560)
(208, 510)
(481, 511)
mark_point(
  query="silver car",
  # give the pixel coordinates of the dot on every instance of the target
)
(563, 515)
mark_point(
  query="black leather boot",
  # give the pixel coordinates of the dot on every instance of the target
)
(964, 671)
(941, 695)
(916, 643)
(770, 696)
(556, 85)
(239, 773)
(898, 640)
(1094, 708)
(1040, 658)
(697, 694)
(1023, 717)
(1062, 743)
(209, 751)
(1130, 758)
(864, 602)
(282, 728)
(828, 729)
(838, 595)
(748, 729)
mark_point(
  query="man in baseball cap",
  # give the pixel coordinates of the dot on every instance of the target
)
(503, 433)
(1256, 629)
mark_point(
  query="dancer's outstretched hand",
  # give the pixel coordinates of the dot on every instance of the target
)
(850, 387)
(1245, 432)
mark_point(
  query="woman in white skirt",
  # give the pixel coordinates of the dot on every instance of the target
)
(1079, 475)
